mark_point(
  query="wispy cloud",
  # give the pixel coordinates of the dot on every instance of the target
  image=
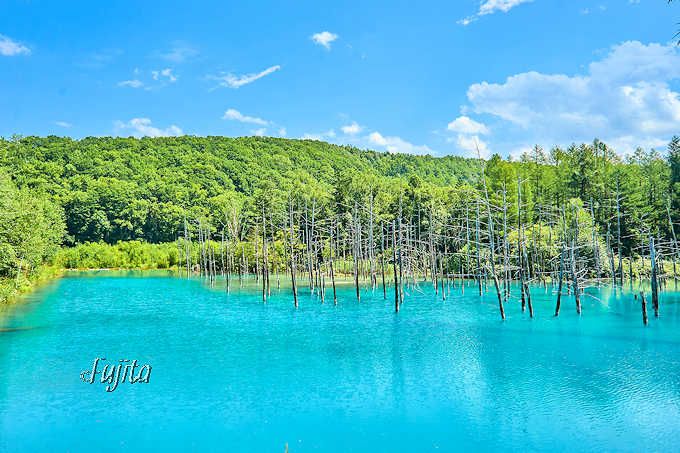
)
(324, 39)
(99, 59)
(133, 83)
(159, 78)
(141, 127)
(329, 134)
(164, 75)
(490, 7)
(237, 81)
(586, 11)
(259, 132)
(235, 115)
(11, 48)
(63, 124)
(179, 52)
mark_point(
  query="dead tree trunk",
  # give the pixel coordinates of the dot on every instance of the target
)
(618, 233)
(559, 285)
(382, 259)
(520, 255)
(655, 277)
(596, 250)
(644, 308)
(397, 297)
(332, 271)
(492, 256)
(292, 254)
(356, 239)
(265, 265)
(574, 268)
(676, 252)
(479, 258)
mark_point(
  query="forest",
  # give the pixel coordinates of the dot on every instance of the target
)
(258, 205)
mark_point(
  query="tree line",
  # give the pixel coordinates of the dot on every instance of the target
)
(270, 206)
(31, 231)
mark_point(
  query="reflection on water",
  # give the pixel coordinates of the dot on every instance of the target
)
(232, 373)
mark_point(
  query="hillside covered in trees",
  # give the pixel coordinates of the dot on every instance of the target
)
(116, 189)
(256, 190)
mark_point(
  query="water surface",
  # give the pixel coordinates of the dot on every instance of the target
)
(230, 373)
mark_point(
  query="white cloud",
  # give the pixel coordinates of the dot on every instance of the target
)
(396, 144)
(165, 75)
(179, 53)
(351, 129)
(283, 132)
(624, 98)
(235, 115)
(134, 83)
(472, 146)
(237, 81)
(377, 139)
(329, 134)
(99, 59)
(162, 76)
(468, 140)
(324, 38)
(10, 48)
(466, 125)
(63, 124)
(259, 132)
(141, 127)
(490, 7)
(517, 153)
(351, 134)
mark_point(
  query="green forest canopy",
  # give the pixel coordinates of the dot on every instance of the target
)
(120, 189)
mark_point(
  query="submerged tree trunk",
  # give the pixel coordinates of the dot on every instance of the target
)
(397, 297)
(655, 278)
(492, 256)
(618, 233)
(382, 259)
(330, 262)
(676, 251)
(561, 279)
(644, 308)
(356, 240)
(292, 255)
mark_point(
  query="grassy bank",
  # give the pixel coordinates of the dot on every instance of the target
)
(11, 288)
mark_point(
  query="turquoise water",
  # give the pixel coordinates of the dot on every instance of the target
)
(232, 374)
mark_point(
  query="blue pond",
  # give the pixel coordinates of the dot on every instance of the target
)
(230, 373)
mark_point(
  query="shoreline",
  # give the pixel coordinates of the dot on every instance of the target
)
(10, 292)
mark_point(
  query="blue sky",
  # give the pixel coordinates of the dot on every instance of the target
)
(437, 77)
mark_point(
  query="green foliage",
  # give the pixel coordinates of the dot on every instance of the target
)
(143, 190)
(115, 189)
(122, 255)
(31, 229)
